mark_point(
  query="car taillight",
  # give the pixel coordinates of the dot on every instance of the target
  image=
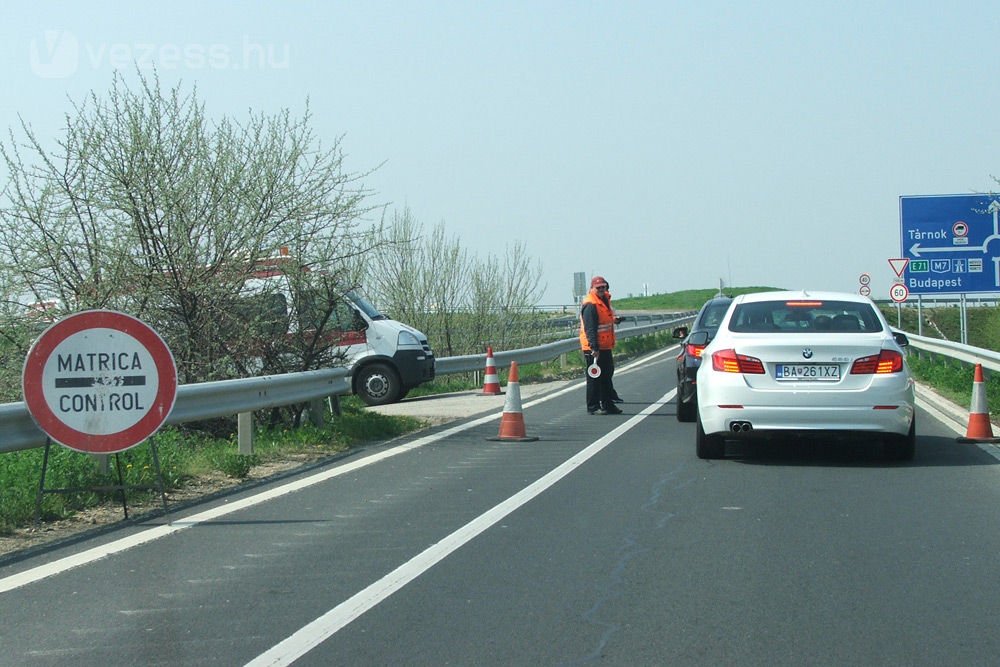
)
(694, 350)
(886, 361)
(728, 361)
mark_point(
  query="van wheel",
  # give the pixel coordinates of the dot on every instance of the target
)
(378, 384)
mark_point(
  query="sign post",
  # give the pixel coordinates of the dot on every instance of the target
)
(99, 382)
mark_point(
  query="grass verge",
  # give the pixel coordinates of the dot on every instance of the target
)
(184, 455)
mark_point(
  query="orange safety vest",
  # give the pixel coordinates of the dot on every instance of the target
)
(605, 324)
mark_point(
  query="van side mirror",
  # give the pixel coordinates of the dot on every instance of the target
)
(680, 332)
(900, 338)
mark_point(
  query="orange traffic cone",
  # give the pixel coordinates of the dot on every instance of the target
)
(512, 420)
(980, 429)
(491, 383)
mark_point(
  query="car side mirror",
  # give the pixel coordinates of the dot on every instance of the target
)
(698, 338)
(680, 332)
(900, 338)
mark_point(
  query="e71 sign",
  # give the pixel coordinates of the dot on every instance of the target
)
(99, 381)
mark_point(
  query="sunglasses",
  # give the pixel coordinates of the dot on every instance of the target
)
(601, 288)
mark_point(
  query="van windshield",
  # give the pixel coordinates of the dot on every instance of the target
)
(365, 305)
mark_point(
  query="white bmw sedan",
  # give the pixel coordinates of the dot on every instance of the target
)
(795, 363)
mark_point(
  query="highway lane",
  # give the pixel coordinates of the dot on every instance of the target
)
(639, 554)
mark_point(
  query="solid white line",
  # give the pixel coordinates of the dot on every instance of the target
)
(945, 420)
(148, 535)
(32, 575)
(950, 419)
(324, 627)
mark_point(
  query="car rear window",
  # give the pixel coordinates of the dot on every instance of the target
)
(713, 315)
(805, 315)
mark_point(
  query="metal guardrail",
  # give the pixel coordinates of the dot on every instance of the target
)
(204, 400)
(224, 398)
(967, 353)
(632, 326)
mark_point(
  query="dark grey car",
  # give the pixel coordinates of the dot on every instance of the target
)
(693, 341)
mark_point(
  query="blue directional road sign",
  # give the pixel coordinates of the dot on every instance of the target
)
(952, 242)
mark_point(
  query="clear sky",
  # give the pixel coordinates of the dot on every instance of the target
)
(665, 145)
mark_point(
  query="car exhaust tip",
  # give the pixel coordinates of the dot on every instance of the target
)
(741, 427)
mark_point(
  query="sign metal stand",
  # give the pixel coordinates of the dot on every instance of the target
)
(120, 487)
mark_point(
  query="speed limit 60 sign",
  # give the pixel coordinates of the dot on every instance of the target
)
(898, 292)
(99, 381)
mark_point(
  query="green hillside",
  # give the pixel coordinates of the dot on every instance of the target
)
(682, 300)
(945, 323)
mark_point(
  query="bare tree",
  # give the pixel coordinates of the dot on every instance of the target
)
(394, 271)
(503, 299)
(422, 279)
(148, 207)
(446, 276)
(461, 302)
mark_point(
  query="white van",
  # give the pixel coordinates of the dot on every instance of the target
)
(385, 358)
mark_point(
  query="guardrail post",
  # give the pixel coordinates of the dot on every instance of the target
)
(316, 412)
(335, 405)
(244, 425)
(102, 463)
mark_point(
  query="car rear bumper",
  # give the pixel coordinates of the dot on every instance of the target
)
(883, 404)
(888, 418)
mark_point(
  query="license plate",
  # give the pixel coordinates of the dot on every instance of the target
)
(814, 372)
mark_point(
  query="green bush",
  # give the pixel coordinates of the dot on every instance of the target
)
(237, 465)
(20, 479)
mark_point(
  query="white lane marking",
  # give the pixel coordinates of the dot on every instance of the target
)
(89, 556)
(308, 637)
(946, 420)
(949, 421)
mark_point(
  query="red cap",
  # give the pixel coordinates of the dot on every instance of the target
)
(598, 281)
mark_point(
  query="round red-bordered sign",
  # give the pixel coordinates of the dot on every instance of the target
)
(99, 381)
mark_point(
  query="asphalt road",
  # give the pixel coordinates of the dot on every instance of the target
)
(606, 541)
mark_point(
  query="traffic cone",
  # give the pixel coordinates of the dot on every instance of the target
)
(980, 429)
(491, 383)
(512, 419)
